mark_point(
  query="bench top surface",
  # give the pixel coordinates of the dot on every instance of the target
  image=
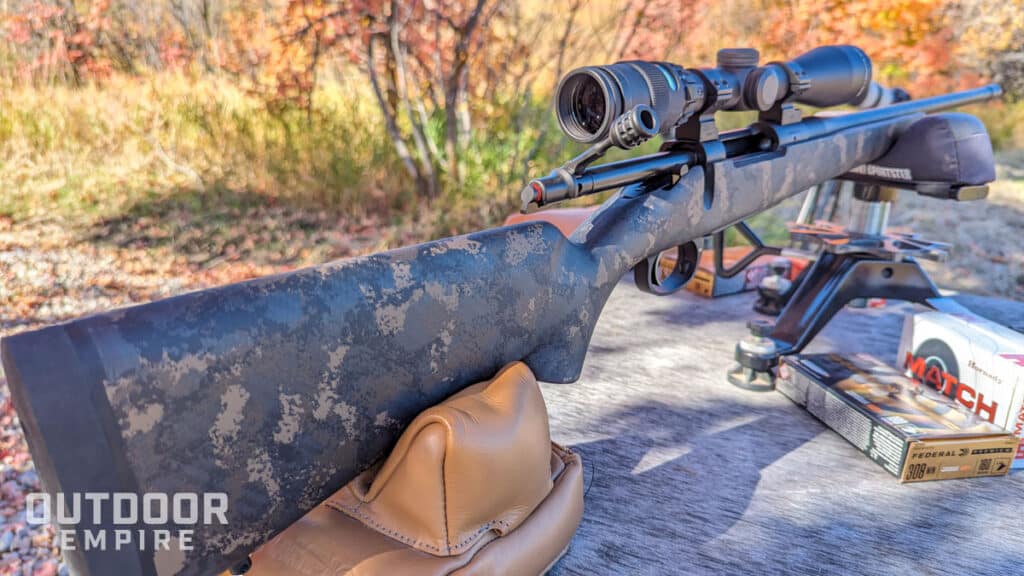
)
(686, 474)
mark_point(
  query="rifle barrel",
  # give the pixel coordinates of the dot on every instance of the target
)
(921, 106)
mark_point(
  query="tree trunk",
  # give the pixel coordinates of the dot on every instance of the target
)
(390, 123)
(396, 51)
(451, 131)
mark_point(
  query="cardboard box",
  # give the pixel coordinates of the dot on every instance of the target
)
(912, 432)
(970, 359)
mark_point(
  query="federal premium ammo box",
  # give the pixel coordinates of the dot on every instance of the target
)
(906, 428)
(973, 360)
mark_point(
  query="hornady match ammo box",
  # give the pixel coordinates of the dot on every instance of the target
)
(906, 428)
(973, 360)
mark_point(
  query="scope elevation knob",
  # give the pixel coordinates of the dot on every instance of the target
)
(738, 58)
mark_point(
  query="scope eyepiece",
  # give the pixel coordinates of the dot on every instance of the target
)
(589, 99)
(586, 104)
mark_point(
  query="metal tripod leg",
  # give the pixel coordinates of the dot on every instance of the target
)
(833, 280)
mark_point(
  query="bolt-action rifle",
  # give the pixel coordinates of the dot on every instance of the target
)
(277, 391)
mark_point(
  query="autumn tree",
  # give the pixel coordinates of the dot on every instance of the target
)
(430, 64)
(990, 40)
(60, 40)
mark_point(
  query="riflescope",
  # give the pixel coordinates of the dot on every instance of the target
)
(589, 99)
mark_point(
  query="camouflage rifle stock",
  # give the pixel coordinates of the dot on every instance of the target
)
(278, 390)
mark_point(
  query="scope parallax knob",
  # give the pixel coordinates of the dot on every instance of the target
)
(765, 87)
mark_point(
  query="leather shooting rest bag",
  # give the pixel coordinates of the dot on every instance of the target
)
(473, 486)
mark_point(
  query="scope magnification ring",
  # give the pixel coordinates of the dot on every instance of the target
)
(657, 77)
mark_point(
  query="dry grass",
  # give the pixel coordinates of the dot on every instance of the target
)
(102, 151)
(93, 151)
(987, 237)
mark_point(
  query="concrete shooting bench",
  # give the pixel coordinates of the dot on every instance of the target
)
(687, 474)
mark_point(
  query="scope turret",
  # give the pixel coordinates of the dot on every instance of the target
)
(589, 99)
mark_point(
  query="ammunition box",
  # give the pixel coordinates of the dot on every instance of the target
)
(975, 361)
(906, 428)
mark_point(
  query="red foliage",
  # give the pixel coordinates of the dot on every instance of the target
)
(280, 44)
(910, 41)
(59, 40)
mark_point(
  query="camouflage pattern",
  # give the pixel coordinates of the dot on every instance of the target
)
(279, 390)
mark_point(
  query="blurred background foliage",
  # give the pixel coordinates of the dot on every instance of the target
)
(428, 113)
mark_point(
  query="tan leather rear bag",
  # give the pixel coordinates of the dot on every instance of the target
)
(473, 486)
